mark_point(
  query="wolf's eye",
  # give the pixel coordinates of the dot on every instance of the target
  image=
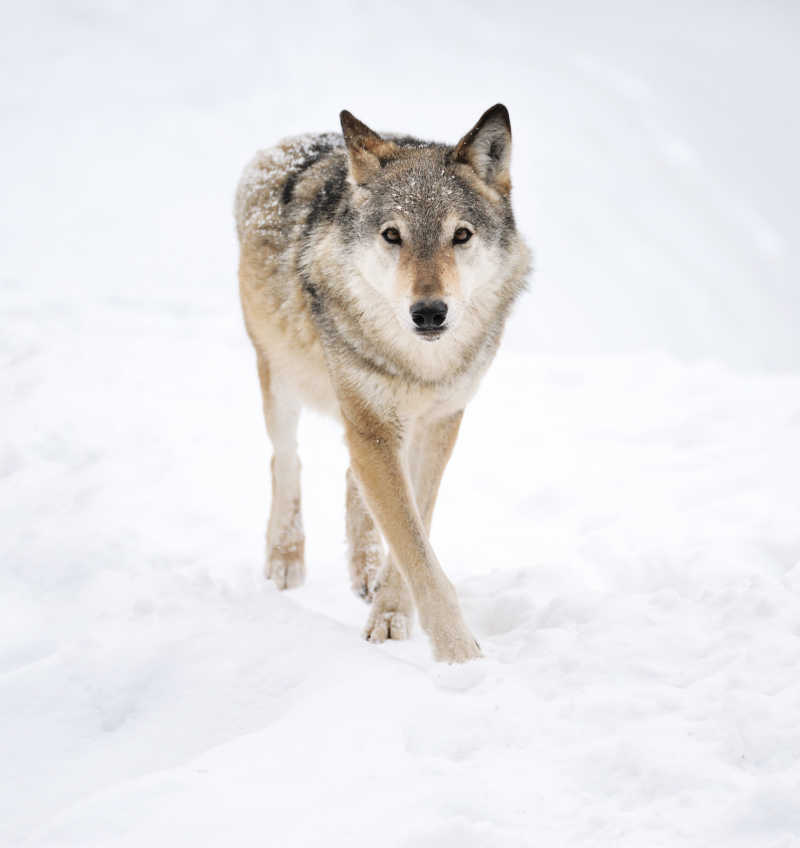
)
(462, 235)
(392, 235)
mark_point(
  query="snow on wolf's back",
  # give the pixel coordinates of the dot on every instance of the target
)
(272, 174)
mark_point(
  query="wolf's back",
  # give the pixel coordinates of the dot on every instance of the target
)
(268, 186)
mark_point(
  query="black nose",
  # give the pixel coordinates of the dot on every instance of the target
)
(428, 314)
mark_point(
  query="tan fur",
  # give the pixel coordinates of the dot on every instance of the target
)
(329, 333)
(285, 538)
(378, 459)
(363, 542)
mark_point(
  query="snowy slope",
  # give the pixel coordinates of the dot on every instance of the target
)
(621, 516)
(628, 554)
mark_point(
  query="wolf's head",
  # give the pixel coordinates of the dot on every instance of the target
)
(433, 232)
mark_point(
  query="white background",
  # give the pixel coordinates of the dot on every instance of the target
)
(622, 514)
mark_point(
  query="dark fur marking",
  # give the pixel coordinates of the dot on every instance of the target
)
(314, 299)
(316, 152)
(288, 188)
(327, 199)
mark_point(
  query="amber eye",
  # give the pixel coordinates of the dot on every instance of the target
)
(462, 235)
(392, 235)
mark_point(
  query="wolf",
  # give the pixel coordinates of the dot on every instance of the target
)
(376, 274)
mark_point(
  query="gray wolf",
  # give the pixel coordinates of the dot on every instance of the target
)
(376, 274)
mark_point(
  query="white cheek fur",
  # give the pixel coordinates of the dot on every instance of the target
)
(378, 266)
(476, 265)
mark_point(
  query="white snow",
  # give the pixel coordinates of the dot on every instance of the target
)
(621, 516)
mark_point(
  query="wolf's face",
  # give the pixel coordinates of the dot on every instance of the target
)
(432, 230)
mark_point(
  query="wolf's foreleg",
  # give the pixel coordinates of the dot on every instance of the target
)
(377, 460)
(431, 449)
(285, 539)
(431, 446)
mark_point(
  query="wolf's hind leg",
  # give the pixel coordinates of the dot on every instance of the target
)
(285, 538)
(364, 548)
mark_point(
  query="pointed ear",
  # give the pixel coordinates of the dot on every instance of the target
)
(486, 148)
(367, 150)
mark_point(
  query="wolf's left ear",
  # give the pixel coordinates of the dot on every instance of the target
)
(368, 152)
(487, 148)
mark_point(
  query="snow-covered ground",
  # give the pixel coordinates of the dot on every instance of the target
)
(621, 516)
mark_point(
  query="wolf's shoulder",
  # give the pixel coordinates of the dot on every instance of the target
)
(291, 154)
(272, 173)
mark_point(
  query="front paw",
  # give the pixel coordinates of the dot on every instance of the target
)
(450, 637)
(453, 647)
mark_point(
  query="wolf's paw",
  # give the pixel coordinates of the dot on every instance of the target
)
(286, 566)
(450, 637)
(364, 589)
(456, 648)
(388, 625)
(391, 614)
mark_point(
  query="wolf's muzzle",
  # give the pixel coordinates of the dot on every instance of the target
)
(429, 317)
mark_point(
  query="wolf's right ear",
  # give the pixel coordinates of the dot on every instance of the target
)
(487, 148)
(366, 149)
